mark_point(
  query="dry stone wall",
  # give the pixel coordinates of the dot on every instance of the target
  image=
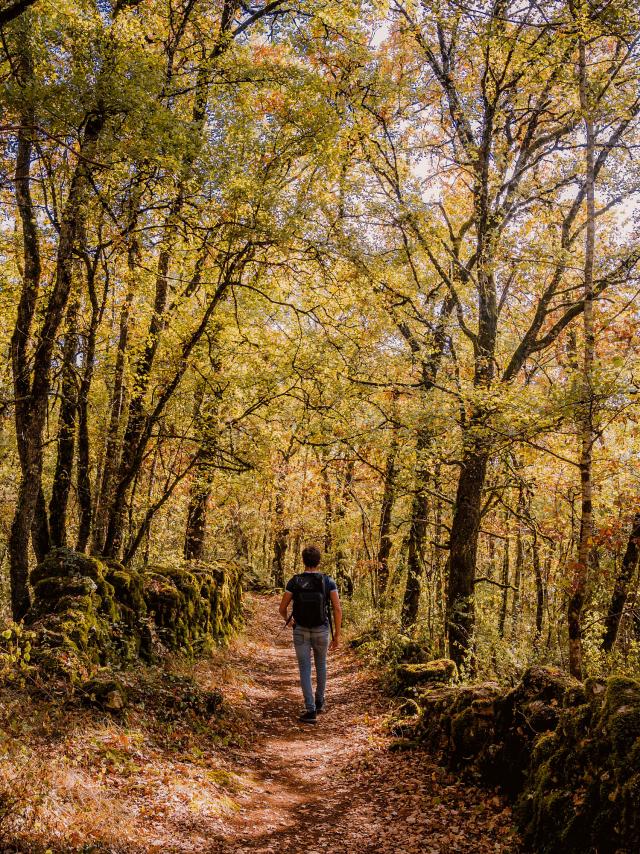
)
(566, 753)
(88, 613)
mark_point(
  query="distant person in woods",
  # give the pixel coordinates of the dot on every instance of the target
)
(313, 594)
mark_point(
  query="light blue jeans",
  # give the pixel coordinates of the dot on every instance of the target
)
(305, 640)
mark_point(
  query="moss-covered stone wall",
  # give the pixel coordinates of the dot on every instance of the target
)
(88, 613)
(567, 753)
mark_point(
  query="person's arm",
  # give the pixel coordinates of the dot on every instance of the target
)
(337, 619)
(284, 604)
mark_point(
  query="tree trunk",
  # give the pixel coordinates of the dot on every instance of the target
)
(66, 432)
(207, 420)
(517, 581)
(104, 494)
(280, 530)
(40, 536)
(540, 590)
(33, 413)
(280, 540)
(142, 376)
(621, 586)
(386, 512)
(85, 499)
(465, 529)
(343, 575)
(439, 572)
(196, 524)
(19, 538)
(417, 533)
(506, 569)
(328, 509)
(196, 528)
(577, 597)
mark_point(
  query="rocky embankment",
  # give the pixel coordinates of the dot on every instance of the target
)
(567, 753)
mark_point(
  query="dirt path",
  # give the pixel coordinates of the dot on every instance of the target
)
(159, 779)
(335, 787)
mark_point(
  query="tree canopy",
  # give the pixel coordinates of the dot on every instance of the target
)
(355, 273)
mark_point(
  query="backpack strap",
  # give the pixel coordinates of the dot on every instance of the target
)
(327, 599)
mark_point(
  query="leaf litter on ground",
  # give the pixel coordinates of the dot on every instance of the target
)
(248, 779)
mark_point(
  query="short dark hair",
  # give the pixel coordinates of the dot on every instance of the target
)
(311, 557)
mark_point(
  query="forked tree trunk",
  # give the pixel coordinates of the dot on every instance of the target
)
(35, 409)
(137, 418)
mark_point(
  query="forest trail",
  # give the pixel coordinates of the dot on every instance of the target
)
(335, 787)
(159, 779)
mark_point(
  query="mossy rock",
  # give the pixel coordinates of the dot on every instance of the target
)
(51, 589)
(66, 563)
(439, 671)
(412, 651)
(104, 691)
(128, 586)
(620, 692)
(369, 636)
(87, 613)
(471, 733)
(190, 604)
(568, 753)
(589, 767)
(76, 610)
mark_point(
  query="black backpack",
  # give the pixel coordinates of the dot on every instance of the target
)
(310, 599)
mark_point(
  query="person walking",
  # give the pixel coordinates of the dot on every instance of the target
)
(313, 593)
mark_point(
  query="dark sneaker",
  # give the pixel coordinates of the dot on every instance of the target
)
(319, 708)
(308, 718)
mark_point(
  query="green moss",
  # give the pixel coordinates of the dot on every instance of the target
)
(67, 563)
(87, 613)
(51, 589)
(624, 729)
(589, 766)
(192, 605)
(439, 671)
(128, 587)
(104, 691)
(568, 753)
(620, 691)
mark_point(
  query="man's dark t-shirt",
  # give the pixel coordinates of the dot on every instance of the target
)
(331, 585)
